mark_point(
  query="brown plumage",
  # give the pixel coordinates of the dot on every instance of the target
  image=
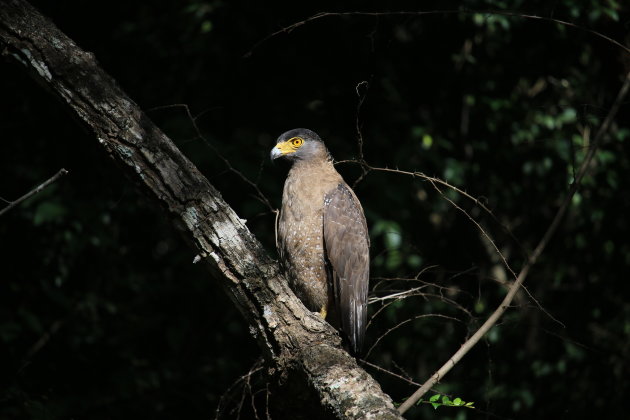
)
(322, 236)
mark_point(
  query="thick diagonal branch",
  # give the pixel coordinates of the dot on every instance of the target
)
(295, 342)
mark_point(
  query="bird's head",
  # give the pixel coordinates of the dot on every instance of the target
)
(299, 144)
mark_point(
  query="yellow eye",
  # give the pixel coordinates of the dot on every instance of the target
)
(296, 141)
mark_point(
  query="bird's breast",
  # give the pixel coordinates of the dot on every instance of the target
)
(300, 232)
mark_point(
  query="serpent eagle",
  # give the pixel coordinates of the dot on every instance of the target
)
(323, 239)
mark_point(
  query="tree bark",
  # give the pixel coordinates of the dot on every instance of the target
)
(298, 345)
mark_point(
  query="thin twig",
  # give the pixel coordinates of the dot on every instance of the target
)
(261, 197)
(491, 321)
(267, 402)
(411, 382)
(256, 367)
(496, 249)
(433, 181)
(361, 96)
(252, 398)
(288, 29)
(478, 202)
(402, 294)
(365, 168)
(193, 121)
(400, 324)
(389, 372)
(34, 191)
(481, 229)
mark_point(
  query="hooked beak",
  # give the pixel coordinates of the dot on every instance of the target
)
(282, 149)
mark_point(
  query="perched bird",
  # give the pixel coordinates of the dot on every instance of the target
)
(322, 236)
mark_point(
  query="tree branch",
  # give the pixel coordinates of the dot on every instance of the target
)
(34, 191)
(299, 345)
(321, 15)
(474, 339)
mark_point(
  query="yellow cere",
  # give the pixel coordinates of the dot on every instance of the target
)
(290, 145)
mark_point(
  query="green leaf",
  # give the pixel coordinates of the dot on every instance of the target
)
(435, 398)
(458, 401)
(612, 14)
(427, 141)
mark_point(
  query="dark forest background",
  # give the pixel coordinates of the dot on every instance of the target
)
(104, 316)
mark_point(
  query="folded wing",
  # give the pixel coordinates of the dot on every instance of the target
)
(347, 251)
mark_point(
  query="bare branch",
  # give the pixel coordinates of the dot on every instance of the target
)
(401, 323)
(256, 367)
(481, 229)
(389, 372)
(34, 191)
(366, 85)
(433, 180)
(491, 321)
(193, 121)
(288, 29)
